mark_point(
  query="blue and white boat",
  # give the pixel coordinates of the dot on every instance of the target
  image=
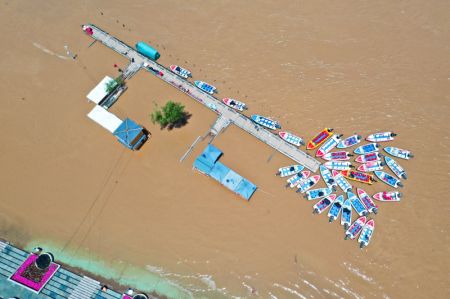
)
(289, 170)
(291, 138)
(381, 137)
(327, 177)
(388, 179)
(350, 141)
(184, 73)
(353, 231)
(205, 87)
(341, 181)
(297, 178)
(305, 185)
(367, 201)
(397, 169)
(346, 217)
(336, 208)
(323, 204)
(367, 148)
(328, 145)
(266, 122)
(359, 207)
(398, 152)
(338, 165)
(317, 193)
(366, 233)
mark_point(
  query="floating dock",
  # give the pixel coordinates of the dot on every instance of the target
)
(226, 115)
(208, 164)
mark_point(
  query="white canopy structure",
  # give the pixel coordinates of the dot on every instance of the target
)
(105, 118)
(99, 92)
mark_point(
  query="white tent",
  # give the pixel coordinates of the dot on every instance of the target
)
(105, 118)
(99, 92)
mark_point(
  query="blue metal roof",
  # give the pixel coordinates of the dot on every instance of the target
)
(207, 163)
(127, 132)
(211, 153)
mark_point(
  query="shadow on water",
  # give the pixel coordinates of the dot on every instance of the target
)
(179, 124)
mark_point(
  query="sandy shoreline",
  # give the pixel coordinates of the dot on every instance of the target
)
(359, 68)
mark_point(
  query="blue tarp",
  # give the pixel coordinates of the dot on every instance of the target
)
(207, 163)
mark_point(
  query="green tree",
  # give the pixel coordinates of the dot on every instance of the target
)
(171, 115)
(113, 84)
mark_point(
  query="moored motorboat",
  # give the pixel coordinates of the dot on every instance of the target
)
(289, 170)
(291, 138)
(235, 104)
(184, 73)
(366, 233)
(205, 87)
(355, 228)
(388, 196)
(266, 122)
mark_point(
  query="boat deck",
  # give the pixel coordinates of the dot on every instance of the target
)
(228, 115)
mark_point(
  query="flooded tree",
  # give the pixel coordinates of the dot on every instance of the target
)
(171, 115)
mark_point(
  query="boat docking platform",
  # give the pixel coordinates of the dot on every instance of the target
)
(226, 115)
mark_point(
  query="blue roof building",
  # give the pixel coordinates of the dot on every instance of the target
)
(130, 134)
(208, 164)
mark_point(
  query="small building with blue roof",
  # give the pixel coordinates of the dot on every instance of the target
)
(130, 134)
(208, 164)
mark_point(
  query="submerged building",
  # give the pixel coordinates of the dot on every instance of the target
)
(127, 132)
(207, 163)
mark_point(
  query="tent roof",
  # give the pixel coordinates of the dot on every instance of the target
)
(127, 131)
(105, 118)
(99, 92)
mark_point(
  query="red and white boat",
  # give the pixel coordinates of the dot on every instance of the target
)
(184, 73)
(235, 104)
(291, 138)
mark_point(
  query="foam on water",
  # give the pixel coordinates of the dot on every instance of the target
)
(201, 285)
(331, 293)
(272, 296)
(358, 272)
(195, 284)
(45, 50)
(124, 274)
(311, 285)
(251, 290)
(289, 290)
(343, 287)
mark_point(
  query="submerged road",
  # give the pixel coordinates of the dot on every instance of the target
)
(226, 114)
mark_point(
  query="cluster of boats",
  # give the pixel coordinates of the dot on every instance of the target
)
(336, 172)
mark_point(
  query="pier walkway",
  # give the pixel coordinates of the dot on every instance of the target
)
(226, 114)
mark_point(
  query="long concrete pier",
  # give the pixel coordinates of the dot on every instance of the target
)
(226, 114)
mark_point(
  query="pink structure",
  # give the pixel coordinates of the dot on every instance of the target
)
(35, 286)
